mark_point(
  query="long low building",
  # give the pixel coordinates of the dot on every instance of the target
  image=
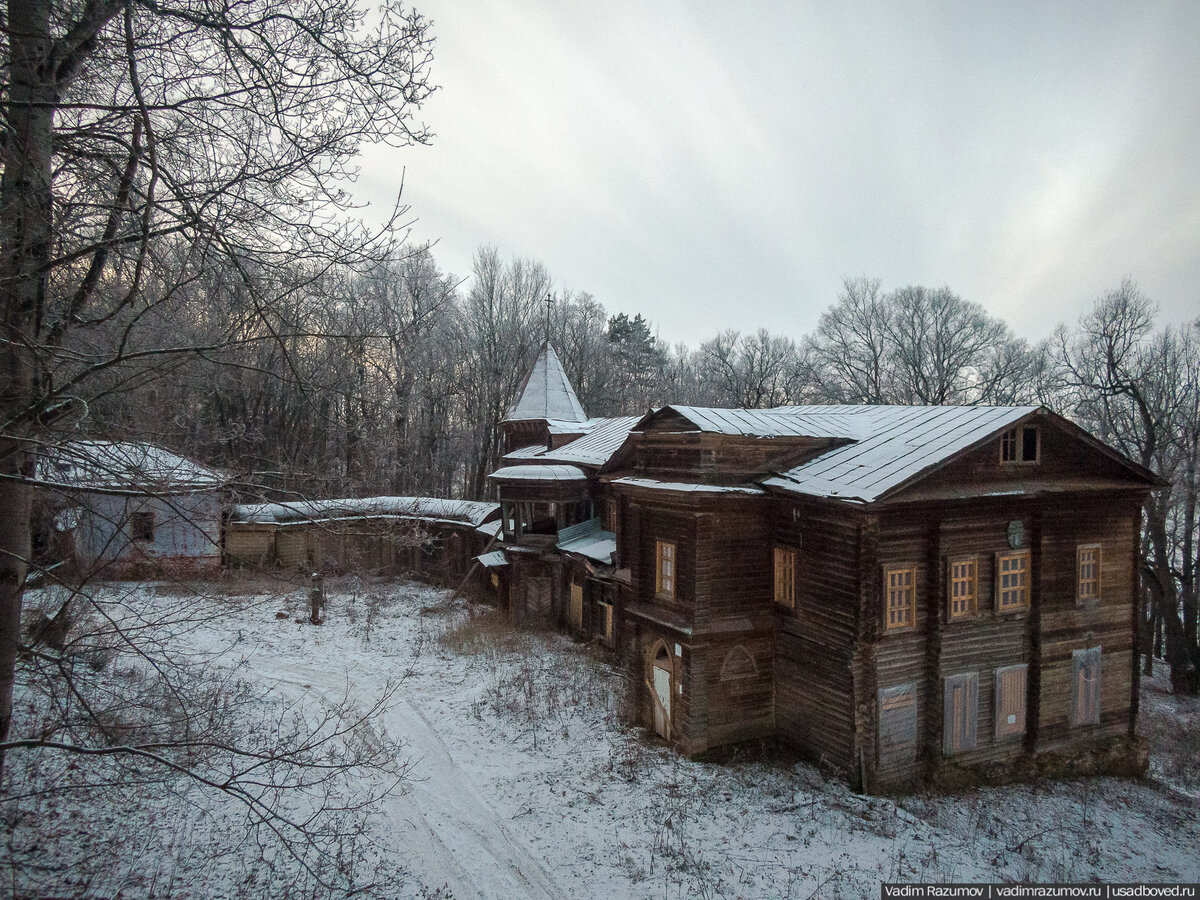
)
(428, 536)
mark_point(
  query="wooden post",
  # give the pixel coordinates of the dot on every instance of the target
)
(316, 597)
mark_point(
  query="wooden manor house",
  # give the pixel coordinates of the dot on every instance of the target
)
(906, 595)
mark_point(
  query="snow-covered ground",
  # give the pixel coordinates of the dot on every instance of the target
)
(522, 780)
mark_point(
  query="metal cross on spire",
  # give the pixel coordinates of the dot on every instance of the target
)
(549, 301)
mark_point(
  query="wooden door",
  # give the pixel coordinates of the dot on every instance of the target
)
(662, 694)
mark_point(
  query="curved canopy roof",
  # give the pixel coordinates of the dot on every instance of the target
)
(539, 473)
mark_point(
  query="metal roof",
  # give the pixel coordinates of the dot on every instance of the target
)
(531, 452)
(493, 560)
(589, 539)
(546, 393)
(893, 445)
(781, 421)
(596, 447)
(114, 466)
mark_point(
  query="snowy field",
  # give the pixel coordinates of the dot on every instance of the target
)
(518, 776)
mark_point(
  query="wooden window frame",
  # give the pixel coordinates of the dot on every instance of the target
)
(1012, 446)
(1092, 594)
(784, 559)
(910, 618)
(966, 739)
(972, 598)
(137, 530)
(1085, 687)
(665, 583)
(1001, 606)
(1015, 695)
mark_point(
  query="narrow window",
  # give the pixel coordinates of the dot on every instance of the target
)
(901, 606)
(897, 725)
(1085, 687)
(1010, 701)
(963, 587)
(141, 526)
(1020, 444)
(961, 712)
(1088, 563)
(1012, 581)
(785, 577)
(664, 581)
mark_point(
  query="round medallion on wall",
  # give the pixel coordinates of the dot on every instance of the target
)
(1016, 533)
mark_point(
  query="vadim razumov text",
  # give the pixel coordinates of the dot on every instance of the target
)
(1030, 891)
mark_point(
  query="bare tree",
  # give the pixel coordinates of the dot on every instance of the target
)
(849, 352)
(158, 156)
(915, 345)
(1138, 389)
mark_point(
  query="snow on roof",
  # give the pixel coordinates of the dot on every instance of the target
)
(546, 393)
(436, 509)
(589, 539)
(654, 484)
(559, 426)
(116, 466)
(894, 444)
(597, 446)
(539, 473)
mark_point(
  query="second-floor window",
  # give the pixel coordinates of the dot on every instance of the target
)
(1088, 583)
(1012, 581)
(901, 597)
(664, 579)
(962, 588)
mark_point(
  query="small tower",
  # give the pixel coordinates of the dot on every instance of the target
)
(546, 399)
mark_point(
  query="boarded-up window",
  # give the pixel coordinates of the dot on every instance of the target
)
(141, 526)
(1012, 580)
(785, 577)
(664, 580)
(1085, 687)
(897, 725)
(1088, 564)
(962, 590)
(1010, 700)
(960, 713)
(901, 598)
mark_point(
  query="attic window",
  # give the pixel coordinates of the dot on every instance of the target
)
(1020, 445)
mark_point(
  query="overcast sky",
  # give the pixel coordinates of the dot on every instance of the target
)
(725, 165)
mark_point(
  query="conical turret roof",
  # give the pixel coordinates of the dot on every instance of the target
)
(547, 393)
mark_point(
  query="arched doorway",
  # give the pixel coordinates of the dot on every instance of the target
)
(662, 678)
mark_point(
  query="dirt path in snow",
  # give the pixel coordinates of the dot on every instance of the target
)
(451, 834)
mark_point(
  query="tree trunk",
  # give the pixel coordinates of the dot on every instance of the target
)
(25, 228)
